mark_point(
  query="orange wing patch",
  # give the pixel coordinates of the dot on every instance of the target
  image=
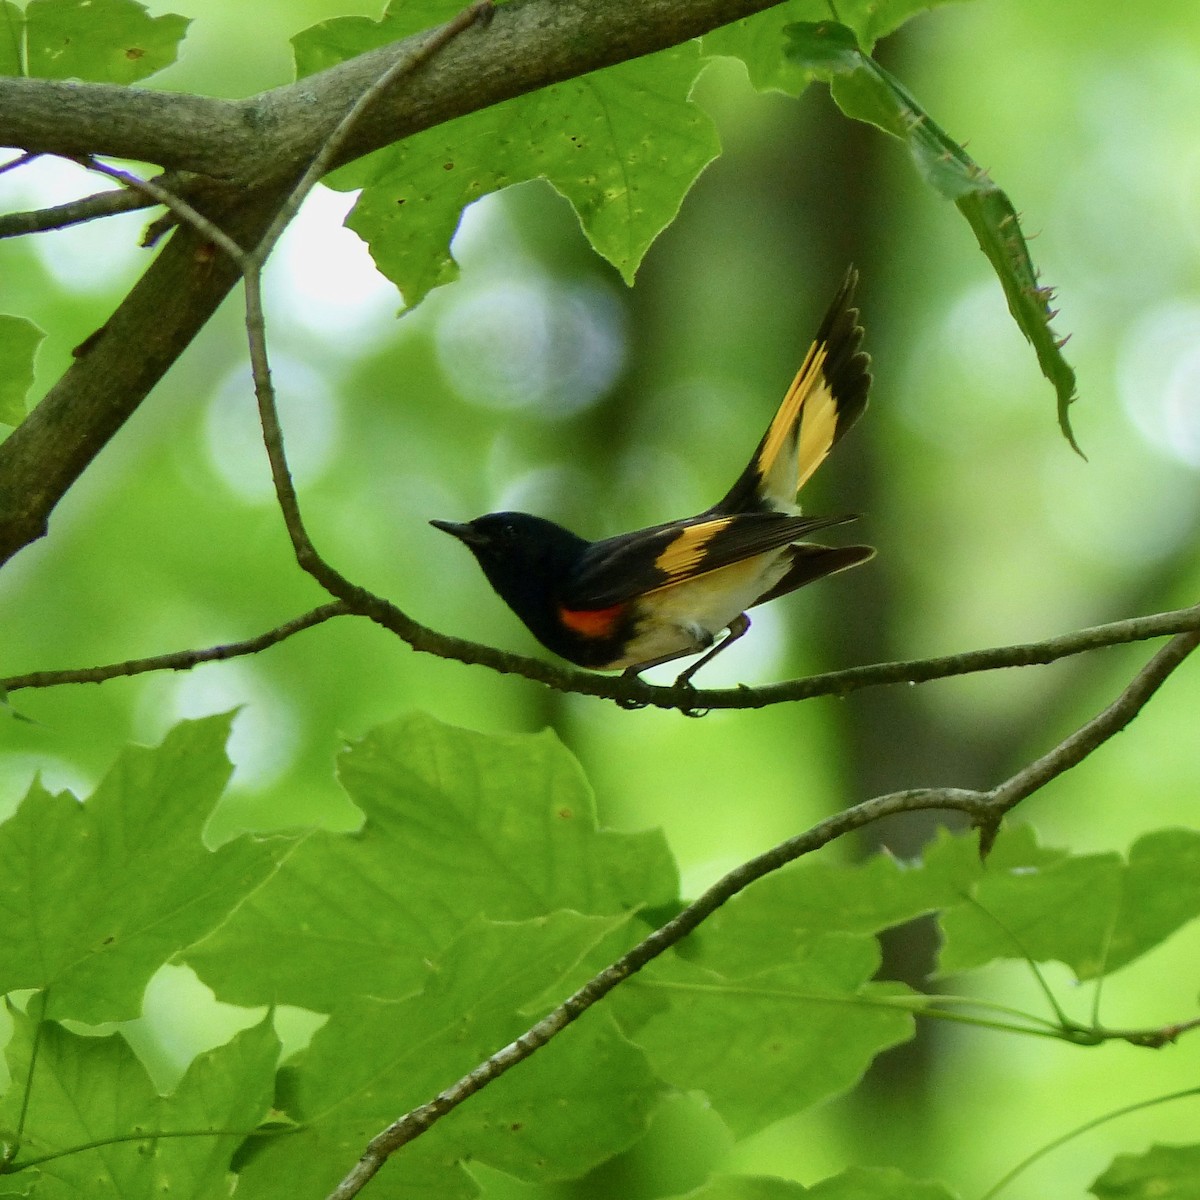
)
(592, 622)
(687, 550)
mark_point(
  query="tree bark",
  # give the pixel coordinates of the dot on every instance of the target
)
(242, 158)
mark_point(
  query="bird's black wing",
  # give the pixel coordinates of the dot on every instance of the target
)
(621, 568)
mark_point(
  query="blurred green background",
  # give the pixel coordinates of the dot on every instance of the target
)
(540, 382)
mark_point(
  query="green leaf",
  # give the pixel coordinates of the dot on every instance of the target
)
(1095, 913)
(876, 1183)
(768, 1043)
(99, 41)
(95, 897)
(458, 825)
(578, 1101)
(758, 40)
(623, 145)
(19, 342)
(747, 1187)
(770, 1006)
(88, 1090)
(865, 91)
(12, 22)
(1162, 1173)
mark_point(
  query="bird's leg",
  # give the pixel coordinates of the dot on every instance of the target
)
(737, 628)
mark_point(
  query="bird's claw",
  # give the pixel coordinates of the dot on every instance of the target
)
(686, 687)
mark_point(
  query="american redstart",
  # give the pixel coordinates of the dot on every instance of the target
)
(644, 598)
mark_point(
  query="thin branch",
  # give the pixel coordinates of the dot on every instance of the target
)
(355, 601)
(156, 193)
(418, 1120)
(146, 1135)
(837, 683)
(479, 12)
(984, 808)
(74, 212)
(1074, 749)
(14, 164)
(1079, 1130)
(180, 660)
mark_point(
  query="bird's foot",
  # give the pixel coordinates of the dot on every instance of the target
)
(683, 685)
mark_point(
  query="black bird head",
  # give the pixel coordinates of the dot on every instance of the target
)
(524, 558)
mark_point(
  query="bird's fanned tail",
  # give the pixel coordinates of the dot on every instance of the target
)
(828, 394)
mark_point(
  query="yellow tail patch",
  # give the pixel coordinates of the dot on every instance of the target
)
(802, 433)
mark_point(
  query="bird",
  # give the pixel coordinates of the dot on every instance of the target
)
(669, 591)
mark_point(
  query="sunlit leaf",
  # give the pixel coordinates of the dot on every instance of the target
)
(1094, 912)
(457, 825)
(865, 91)
(623, 145)
(19, 342)
(747, 1187)
(876, 1183)
(100, 41)
(94, 1089)
(580, 1100)
(762, 1043)
(95, 897)
(1162, 1173)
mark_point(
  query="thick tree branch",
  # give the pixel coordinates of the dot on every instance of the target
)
(985, 809)
(252, 152)
(269, 137)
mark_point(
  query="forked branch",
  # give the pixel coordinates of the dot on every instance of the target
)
(985, 809)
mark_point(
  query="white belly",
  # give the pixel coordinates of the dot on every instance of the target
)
(685, 618)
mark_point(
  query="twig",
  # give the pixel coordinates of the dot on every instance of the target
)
(1074, 749)
(158, 194)
(1086, 1127)
(306, 554)
(984, 808)
(74, 212)
(21, 160)
(356, 601)
(418, 1120)
(180, 660)
(567, 679)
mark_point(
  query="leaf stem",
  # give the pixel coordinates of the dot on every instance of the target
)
(1078, 1131)
(148, 1136)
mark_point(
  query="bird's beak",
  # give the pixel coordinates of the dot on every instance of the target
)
(464, 532)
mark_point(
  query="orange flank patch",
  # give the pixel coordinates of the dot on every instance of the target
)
(592, 622)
